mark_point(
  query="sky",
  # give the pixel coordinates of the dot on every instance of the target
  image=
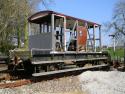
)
(99, 11)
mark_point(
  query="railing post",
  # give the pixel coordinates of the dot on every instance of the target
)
(52, 31)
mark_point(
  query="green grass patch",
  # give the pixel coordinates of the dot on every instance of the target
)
(119, 52)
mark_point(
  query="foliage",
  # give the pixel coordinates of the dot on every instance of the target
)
(119, 17)
(117, 25)
(13, 21)
(13, 14)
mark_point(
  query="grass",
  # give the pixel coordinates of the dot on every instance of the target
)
(119, 53)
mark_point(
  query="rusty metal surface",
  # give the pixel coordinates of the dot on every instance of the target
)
(14, 84)
(82, 36)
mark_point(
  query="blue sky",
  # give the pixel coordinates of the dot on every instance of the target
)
(99, 11)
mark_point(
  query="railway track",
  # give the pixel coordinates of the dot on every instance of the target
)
(37, 77)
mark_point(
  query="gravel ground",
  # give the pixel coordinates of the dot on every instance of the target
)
(62, 85)
(100, 82)
(92, 82)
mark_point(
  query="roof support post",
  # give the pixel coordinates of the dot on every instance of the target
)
(77, 46)
(94, 46)
(64, 33)
(52, 25)
(100, 38)
(86, 47)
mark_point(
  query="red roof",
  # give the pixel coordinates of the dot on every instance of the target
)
(47, 12)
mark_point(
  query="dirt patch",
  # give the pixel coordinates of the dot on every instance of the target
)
(65, 85)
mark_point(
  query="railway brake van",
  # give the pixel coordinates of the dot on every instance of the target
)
(59, 43)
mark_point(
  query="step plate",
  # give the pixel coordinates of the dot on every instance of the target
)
(69, 70)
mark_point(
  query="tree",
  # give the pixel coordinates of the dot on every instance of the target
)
(13, 15)
(7, 16)
(117, 25)
(13, 21)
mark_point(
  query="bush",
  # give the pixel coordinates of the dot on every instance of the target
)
(5, 47)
